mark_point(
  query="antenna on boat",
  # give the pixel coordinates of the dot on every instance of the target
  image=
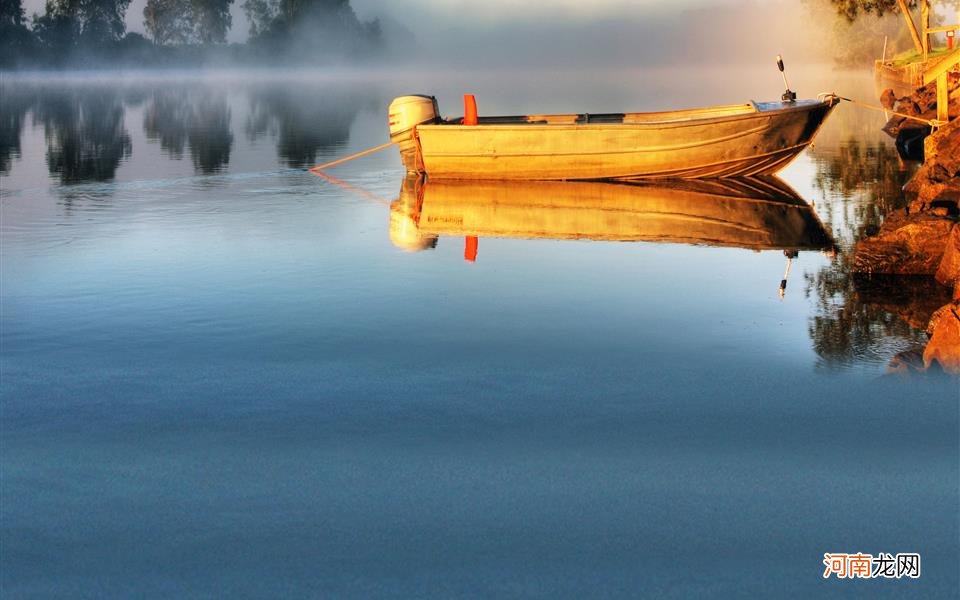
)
(789, 95)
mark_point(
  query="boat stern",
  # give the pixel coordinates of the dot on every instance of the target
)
(403, 116)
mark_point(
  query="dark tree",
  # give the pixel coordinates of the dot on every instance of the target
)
(853, 8)
(11, 12)
(16, 41)
(213, 20)
(188, 21)
(168, 21)
(57, 32)
(284, 15)
(261, 15)
(308, 29)
(91, 23)
(101, 20)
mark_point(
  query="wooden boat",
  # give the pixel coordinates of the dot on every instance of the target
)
(755, 213)
(724, 141)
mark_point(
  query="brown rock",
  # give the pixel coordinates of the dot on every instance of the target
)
(948, 273)
(908, 106)
(946, 142)
(905, 245)
(894, 125)
(888, 98)
(944, 345)
(921, 103)
(936, 316)
(931, 196)
(937, 183)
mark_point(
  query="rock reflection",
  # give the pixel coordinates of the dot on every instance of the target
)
(870, 319)
(305, 120)
(753, 213)
(198, 119)
(85, 133)
(861, 318)
(869, 177)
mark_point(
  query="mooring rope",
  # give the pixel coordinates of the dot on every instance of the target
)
(931, 122)
(319, 168)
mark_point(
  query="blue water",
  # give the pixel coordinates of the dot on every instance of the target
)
(221, 378)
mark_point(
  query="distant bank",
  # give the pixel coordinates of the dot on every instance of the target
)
(183, 33)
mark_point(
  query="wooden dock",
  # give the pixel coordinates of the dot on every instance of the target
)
(928, 66)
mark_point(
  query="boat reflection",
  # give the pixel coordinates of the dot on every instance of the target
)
(753, 213)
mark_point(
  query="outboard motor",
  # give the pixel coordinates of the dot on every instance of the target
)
(404, 114)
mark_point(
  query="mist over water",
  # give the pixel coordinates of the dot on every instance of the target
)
(706, 34)
(221, 375)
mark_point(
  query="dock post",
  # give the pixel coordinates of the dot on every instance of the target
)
(939, 73)
(943, 98)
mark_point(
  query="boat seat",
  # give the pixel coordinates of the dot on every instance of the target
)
(601, 118)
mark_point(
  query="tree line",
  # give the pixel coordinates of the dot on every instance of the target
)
(91, 33)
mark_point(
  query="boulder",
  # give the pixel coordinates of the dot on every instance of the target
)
(937, 183)
(888, 98)
(905, 245)
(948, 273)
(943, 349)
(921, 103)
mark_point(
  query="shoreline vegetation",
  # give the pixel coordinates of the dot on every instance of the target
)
(923, 239)
(91, 34)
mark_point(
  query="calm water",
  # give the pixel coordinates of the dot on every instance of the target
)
(224, 376)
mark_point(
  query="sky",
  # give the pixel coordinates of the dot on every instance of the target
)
(443, 13)
(590, 33)
(498, 10)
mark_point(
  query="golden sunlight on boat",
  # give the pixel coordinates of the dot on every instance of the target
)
(722, 141)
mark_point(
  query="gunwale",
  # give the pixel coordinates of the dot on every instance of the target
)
(671, 118)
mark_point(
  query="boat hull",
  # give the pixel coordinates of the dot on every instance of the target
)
(759, 142)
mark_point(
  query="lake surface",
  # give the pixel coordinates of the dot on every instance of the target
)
(225, 376)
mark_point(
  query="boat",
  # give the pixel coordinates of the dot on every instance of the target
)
(760, 213)
(743, 140)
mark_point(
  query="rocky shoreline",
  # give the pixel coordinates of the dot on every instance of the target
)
(923, 240)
